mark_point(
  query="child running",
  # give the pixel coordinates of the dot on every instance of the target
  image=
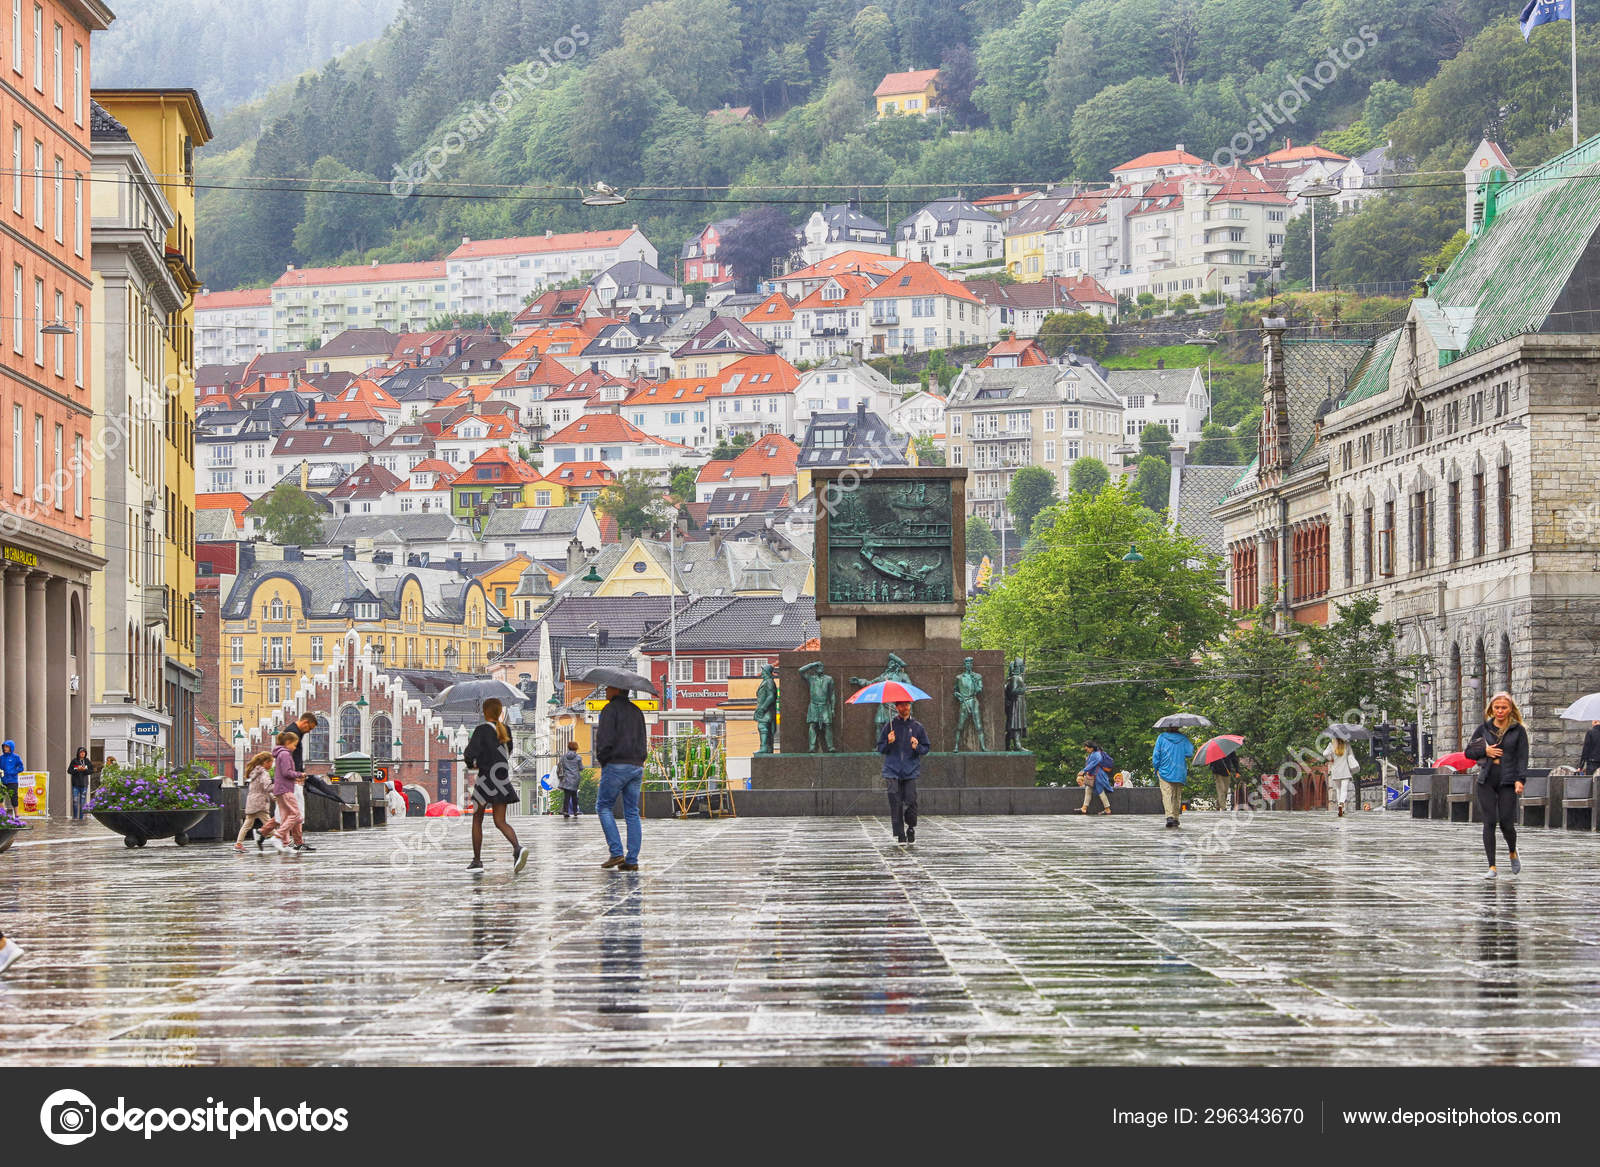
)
(257, 801)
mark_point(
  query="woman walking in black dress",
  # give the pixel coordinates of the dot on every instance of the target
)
(1500, 745)
(489, 753)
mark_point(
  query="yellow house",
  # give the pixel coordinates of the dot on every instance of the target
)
(283, 620)
(912, 93)
(500, 582)
(1025, 233)
(168, 126)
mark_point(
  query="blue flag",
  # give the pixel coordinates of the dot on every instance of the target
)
(1537, 12)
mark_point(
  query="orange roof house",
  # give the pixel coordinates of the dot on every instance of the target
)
(914, 93)
(1025, 352)
(773, 455)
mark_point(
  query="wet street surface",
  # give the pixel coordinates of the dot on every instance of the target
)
(1301, 940)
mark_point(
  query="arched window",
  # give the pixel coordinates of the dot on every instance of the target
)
(317, 744)
(1505, 662)
(277, 608)
(1480, 669)
(349, 730)
(382, 739)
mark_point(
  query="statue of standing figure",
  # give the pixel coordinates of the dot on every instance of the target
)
(820, 707)
(893, 670)
(1016, 707)
(767, 710)
(969, 688)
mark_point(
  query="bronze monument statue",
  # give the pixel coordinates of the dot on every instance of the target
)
(767, 710)
(969, 687)
(820, 708)
(1016, 707)
(893, 670)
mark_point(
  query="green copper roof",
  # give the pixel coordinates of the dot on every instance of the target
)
(1513, 273)
(1371, 376)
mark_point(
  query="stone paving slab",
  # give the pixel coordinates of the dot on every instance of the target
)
(1291, 939)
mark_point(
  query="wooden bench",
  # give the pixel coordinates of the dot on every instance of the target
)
(1577, 803)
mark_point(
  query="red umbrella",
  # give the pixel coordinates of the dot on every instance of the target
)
(1456, 762)
(443, 810)
(1219, 747)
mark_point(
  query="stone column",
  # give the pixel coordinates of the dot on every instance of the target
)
(41, 707)
(16, 634)
(63, 734)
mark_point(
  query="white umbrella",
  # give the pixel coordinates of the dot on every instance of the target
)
(1180, 720)
(1583, 709)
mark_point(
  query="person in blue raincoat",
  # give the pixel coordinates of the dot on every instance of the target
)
(1171, 761)
(1095, 777)
(10, 767)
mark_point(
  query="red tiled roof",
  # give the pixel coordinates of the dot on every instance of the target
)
(716, 470)
(776, 307)
(507, 468)
(773, 454)
(360, 274)
(1028, 352)
(333, 411)
(1160, 158)
(763, 373)
(854, 286)
(369, 481)
(919, 279)
(499, 426)
(230, 500)
(369, 391)
(530, 244)
(1086, 290)
(867, 261)
(244, 298)
(1293, 153)
(913, 82)
(468, 395)
(541, 371)
(433, 466)
(574, 475)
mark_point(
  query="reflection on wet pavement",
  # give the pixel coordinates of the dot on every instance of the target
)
(1024, 940)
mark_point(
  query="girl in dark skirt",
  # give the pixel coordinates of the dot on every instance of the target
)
(1500, 746)
(489, 753)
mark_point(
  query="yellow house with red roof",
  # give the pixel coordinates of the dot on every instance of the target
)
(911, 93)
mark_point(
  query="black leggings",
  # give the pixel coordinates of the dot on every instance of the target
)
(1498, 804)
(569, 801)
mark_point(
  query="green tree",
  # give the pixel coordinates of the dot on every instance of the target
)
(727, 449)
(1154, 481)
(289, 516)
(1082, 332)
(635, 502)
(1359, 666)
(1218, 446)
(690, 46)
(1032, 489)
(1156, 442)
(1442, 259)
(681, 481)
(980, 539)
(872, 44)
(1074, 603)
(753, 242)
(342, 212)
(928, 454)
(1088, 476)
(1122, 121)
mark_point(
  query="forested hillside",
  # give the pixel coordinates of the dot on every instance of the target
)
(572, 91)
(229, 51)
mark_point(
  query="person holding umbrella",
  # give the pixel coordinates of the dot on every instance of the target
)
(1220, 754)
(1500, 745)
(902, 741)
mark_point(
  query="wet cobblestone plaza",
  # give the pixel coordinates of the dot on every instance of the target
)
(1027, 940)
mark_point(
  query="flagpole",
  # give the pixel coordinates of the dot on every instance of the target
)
(1574, 24)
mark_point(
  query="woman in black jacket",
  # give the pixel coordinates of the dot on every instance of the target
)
(489, 753)
(1501, 746)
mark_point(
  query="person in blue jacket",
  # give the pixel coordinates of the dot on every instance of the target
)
(1095, 777)
(902, 741)
(1171, 761)
(10, 767)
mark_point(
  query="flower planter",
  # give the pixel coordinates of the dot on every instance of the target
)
(8, 835)
(137, 827)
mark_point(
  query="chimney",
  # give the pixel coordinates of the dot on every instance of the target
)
(574, 555)
(855, 350)
(291, 554)
(766, 482)
(716, 539)
(305, 474)
(289, 267)
(349, 554)
(1178, 453)
(247, 557)
(466, 239)
(861, 412)
(548, 233)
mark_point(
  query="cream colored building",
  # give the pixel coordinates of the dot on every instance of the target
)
(134, 293)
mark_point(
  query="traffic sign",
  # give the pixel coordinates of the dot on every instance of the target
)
(648, 704)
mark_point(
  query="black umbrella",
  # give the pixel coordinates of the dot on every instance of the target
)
(1350, 732)
(617, 679)
(469, 696)
(1180, 720)
(317, 784)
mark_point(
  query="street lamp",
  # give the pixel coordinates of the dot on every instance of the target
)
(1133, 555)
(1312, 193)
(603, 195)
(58, 328)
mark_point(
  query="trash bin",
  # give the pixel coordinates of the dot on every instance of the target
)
(209, 829)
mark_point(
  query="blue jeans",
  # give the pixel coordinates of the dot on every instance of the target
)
(616, 779)
(80, 795)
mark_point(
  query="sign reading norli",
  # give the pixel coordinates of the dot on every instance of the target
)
(889, 542)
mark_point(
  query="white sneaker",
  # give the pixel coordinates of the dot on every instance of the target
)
(9, 952)
(1490, 874)
(278, 845)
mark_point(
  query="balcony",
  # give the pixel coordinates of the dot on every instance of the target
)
(155, 604)
(282, 665)
(830, 331)
(885, 318)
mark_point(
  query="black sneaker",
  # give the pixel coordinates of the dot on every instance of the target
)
(1172, 822)
(899, 838)
(475, 865)
(305, 847)
(911, 834)
(519, 858)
